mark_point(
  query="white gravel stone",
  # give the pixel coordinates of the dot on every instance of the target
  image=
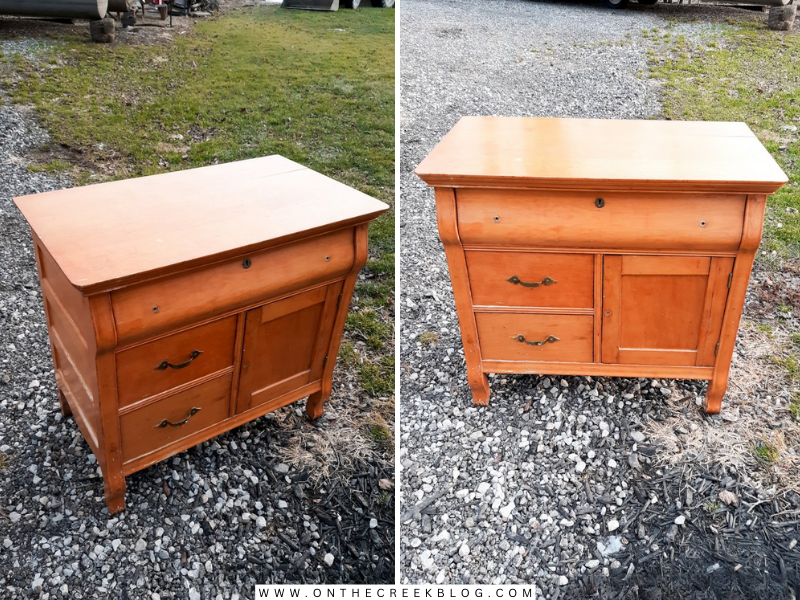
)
(612, 525)
(328, 559)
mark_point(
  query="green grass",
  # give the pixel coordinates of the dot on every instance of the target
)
(766, 453)
(377, 378)
(317, 88)
(751, 75)
(791, 363)
(794, 405)
(428, 338)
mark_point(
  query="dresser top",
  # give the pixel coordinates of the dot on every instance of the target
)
(602, 155)
(110, 234)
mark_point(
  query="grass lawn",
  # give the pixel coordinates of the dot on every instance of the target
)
(317, 88)
(749, 74)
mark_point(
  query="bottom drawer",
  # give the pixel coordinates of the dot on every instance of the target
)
(557, 338)
(159, 424)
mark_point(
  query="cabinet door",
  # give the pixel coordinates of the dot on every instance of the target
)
(663, 310)
(285, 345)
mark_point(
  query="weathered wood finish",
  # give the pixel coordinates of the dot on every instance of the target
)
(230, 316)
(647, 231)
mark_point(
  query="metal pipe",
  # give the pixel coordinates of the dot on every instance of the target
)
(65, 9)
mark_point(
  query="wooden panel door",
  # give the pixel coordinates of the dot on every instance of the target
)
(285, 343)
(663, 310)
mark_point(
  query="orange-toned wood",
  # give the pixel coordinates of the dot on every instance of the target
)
(162, 423)
(171, 361)
(446, 218)
(529, 279)
(221, 427)
(658, 309)
(595, 154)
(150, 308)
(285, 345)
(670, 212)
(208, 248)
(138, 229)
(596, 369)
(663, 222)
(316, 401)
(753, 224)
(554, 338)
(598, 306)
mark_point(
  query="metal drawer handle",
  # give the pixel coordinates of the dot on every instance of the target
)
(531, 284)
(166, 423)
(166, 364)
(549, 339)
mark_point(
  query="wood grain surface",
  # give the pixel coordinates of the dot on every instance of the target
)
(109, 234)
(598, 154)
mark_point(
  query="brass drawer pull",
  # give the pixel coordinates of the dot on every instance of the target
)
(166, 423)
(531, 284)
(549, 339)
(168, 365)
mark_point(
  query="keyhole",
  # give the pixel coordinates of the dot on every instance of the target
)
(702, 223)
(599, 203)
(246, 263)
(327, 258)
(155, 309)
(497, 219)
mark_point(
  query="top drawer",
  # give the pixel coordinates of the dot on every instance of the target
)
(143, 310)
(682, 222)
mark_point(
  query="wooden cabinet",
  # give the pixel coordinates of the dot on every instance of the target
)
(589, 247)
(180, 306)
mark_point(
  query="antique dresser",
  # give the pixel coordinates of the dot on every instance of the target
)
(599, 247)
(182, 305)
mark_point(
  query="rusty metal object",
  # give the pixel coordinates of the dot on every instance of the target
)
(63, 9)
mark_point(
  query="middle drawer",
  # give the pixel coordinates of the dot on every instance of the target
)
(531, 279)
(168, 362)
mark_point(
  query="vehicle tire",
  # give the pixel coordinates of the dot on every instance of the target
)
(648, 2)
(615, 3)
(383, 3)
(351, 3)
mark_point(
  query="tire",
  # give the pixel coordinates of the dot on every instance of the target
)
(383, 3)
(615, 3)
(351, 3)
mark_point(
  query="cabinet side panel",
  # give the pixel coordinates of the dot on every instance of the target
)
(73, 346)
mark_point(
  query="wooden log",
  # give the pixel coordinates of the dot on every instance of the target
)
(66, 9)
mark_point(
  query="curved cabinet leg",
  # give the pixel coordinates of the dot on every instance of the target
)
(315, 404)
(114, 488)
(479, 384)
(716, 391)
(62, 402)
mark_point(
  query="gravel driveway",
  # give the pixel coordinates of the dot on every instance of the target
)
(561, 482)
(251, 506)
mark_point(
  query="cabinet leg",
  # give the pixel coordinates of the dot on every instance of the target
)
(479, 384)
(114, 488)
(716, 390)
(315, 404)
(62, 402)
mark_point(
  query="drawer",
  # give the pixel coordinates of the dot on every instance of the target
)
(535, 279)
(682, 222)
(147, 429)
(171, 361)
(143, 310)
(570, 337)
